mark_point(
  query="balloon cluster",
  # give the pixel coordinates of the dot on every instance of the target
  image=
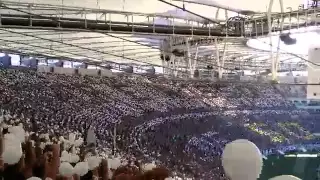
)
(242, 160)
(71, 161)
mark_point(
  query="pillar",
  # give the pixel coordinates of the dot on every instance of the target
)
(274, 62)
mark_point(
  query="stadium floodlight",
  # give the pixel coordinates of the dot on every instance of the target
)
(287, 40)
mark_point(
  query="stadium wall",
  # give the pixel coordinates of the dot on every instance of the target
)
(74, 71)
(88, 72)
(106, 73)
(313, 91)
(66, 71)
(293, 79)
(44, 69)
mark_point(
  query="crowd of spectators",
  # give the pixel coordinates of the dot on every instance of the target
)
(182, 125)
(293, 91)
(33, 156)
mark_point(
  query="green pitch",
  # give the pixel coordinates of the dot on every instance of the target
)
(302, 167)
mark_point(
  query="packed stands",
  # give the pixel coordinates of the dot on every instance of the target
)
(182, 125)
(293, 91)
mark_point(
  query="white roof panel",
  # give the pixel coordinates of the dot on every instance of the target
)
(130, 48)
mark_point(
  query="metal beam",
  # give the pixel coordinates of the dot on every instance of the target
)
(216, 5)
(195, 14)
(19, 21)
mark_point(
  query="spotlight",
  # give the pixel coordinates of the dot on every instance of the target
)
(210, 67)
(287, 40)
(108, 66)
(165, 57)
(178, 53)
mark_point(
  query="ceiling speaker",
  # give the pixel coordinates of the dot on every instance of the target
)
(210, 67)
(287, 40)
(108, 66)
(165, 57)
(178, 53)
(161, 57)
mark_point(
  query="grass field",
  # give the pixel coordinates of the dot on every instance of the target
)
(302, 167)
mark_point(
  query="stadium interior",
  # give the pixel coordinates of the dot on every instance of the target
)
(159, 90)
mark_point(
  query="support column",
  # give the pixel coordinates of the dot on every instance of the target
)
(189, 60)
(217, 59)
(274, 62)
(195, 62)
(191, 63)
(278, 45)
(217, 14)
(217, 52)
(171, 63)
(163, 62)
(223, 58)
(175, 65)
(224, 47)
(270, 38)
(165, 50)
(220, 61)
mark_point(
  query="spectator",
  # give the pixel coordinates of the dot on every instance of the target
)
(178, 124)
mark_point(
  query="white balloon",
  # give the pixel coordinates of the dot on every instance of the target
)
(78, 142)
(74, 158)
(32, 143)
(81, 168)
(34, 178)
(61, 138)
(242, 160)
(19, 132)
(64, 153)
(66, 144)
(66, 169)
(285, 177)
(65, 157)
(12, 155)
(11, 140)
(114, 163)
(93, 162)
(72, 137)
(42, 145)
(149, 166)
(47, 136)
(169, 178)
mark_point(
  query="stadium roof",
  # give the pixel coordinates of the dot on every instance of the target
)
(26, 29)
